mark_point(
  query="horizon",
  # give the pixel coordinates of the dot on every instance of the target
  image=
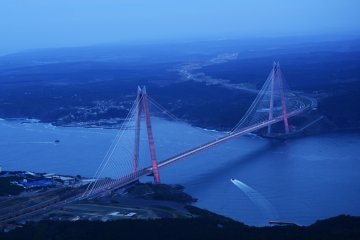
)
(38, 24)
(169, 42)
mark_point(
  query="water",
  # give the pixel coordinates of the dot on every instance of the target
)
(299, 181)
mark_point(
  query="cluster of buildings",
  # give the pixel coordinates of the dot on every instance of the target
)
(30, 180)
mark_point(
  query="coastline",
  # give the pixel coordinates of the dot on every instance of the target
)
(65, 142)
(192, 124)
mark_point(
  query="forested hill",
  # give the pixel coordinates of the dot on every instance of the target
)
(208, 226)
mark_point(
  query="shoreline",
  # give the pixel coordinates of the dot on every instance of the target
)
(205, 128)
(90, 175)
(172, 192)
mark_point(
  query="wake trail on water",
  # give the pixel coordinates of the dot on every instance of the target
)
(259, 200)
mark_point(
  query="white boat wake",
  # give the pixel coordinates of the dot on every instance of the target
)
(259, 200)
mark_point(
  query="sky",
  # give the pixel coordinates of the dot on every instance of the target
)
(27, 24)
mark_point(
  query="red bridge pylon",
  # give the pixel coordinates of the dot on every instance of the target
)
(277, 82)
(143, 106)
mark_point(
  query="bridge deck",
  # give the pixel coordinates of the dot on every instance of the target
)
(127, 179)
(227, 137)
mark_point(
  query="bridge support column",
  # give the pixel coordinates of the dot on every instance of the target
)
(283, 100)
(142, 105)
(137, 129)
(276, 77)
(272, 96)
(150, 138)
(283, 105)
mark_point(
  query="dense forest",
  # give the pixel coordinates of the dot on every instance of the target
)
(207, 226)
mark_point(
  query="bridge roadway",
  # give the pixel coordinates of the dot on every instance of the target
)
(132, 177)
(227, 137)
(115, 184)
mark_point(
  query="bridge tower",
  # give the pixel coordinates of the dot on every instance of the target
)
(143, 106)
(278, 81)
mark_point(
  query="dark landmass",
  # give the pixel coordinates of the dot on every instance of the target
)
(208, 84)
(134, 201)
(162, 192)
(144, 210)
(311, 66)
(206, 226)
(9, 189)
(342, 107)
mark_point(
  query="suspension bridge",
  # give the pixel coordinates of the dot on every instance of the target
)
(273, 105)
